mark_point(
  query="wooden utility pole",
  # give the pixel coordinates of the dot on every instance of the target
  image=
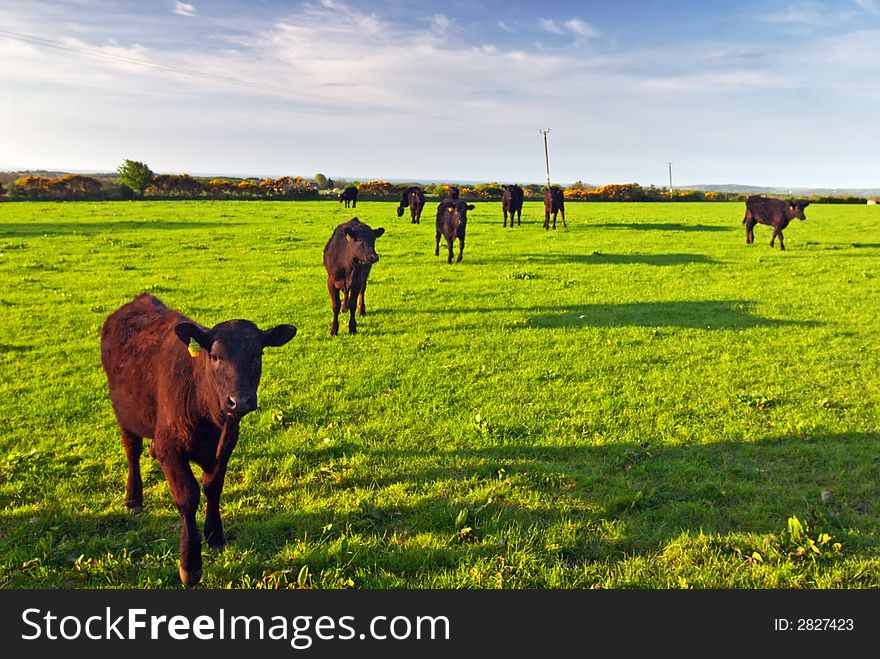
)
(546, 155)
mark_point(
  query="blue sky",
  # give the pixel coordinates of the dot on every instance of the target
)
(777, 93)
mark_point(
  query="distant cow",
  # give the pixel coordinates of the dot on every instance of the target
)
(414, 199)
(554, 202)
(451, 224)
(348, 257)
(190, 402)
(452, 192)
(772, 212)
(349, 196)
(512, 202)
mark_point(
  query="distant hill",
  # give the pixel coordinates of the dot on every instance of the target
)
(821, 192)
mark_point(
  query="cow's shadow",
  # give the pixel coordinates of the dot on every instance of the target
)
(661, 226)
(695, 314)
(34, 229)
(702, 314)
(600, 258)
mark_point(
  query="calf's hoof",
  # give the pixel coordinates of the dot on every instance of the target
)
(190, 578)
(215, 539)
(134, 508)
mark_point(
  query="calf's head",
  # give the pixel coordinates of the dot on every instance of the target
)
(361, 242)
(796, 209)
(232, 352)
(456, 214)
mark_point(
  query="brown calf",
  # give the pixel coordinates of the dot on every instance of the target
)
(451, 224)
(772, 212)
(414, 199)
(512, 202)
(554, 202)
(348, 257)
(190, 401)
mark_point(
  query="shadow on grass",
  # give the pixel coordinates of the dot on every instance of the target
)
(705, 314)
(700, 314)
(661, 226)
(662, 491)
(653, 493)
(34, 229)
(625, 259)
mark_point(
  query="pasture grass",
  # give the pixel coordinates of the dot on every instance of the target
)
(640, 401)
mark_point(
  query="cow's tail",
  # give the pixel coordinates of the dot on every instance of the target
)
(746, 216)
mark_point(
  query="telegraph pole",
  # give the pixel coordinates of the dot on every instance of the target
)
(546, 156)
(670, 179)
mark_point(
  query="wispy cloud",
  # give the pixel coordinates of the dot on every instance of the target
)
(549, 25)
(440, 22)
(802, 13)
(184, 9)
(581, 28)
(575, 27)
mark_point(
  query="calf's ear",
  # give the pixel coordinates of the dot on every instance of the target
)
(279, 335)
(470, 207)
(186, 331)
(379, 231)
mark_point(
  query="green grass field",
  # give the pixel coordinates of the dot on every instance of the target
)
(642, 400)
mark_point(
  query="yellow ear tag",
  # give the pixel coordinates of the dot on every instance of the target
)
(194, 348)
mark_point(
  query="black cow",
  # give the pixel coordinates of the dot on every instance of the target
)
(349, 196)
(414, 199)
(512, 202)
(451, 224)
(348, 257)
(452, 192)
(554, 202)
(772, 212)
(189, 401)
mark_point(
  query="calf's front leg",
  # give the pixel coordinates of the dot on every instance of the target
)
(185, 492)
(335, 305)
(212, 482)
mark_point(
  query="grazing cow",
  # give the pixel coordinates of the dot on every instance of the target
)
(772, 212)
(512, 202)
(414, 199)
(452, 192)
(348, 257)
(554, 202)
(349, 196)
(189, 401)
(451, 224)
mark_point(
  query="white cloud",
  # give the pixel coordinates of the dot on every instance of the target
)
(869, 6)
(440, 22)
(803, 13)
(550, 25)
(581, 28)
(184, 9)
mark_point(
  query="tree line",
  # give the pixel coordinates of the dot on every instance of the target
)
(135, 180)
